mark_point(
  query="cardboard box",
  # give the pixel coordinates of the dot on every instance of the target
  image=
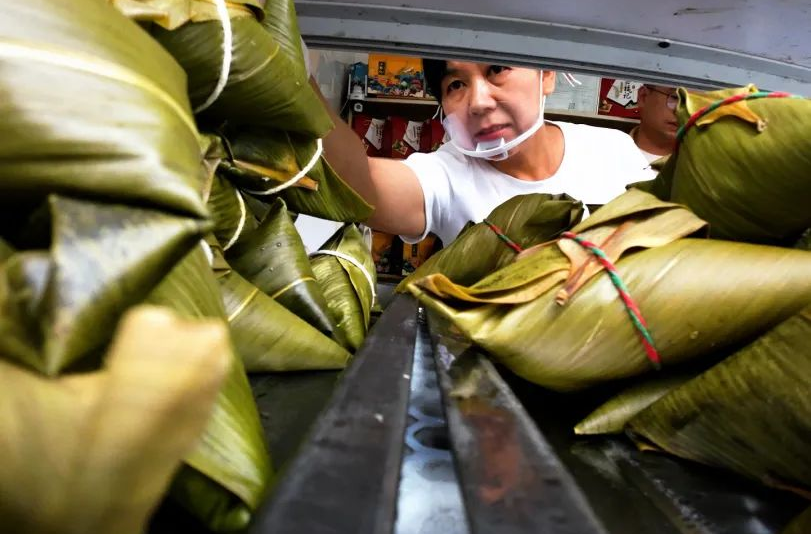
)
(417, 254)
(391, 75)
(381, 251)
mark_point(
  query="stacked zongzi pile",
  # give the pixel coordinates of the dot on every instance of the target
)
(248, 83)
(632, 288)
(101, 189)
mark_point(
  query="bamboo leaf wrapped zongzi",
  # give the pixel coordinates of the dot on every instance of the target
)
(750, 413)
(58, 306)
(95, 452)
(744, 166)
(696, 296)
(273, 258)
(229, 471)
(266, 83)
(268, 336)
(262, 159)
(121, 128)
(478, 251)
(346, 271)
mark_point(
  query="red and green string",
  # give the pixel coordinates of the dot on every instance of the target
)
(694, 118)
(630, 304)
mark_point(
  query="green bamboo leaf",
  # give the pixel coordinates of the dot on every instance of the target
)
(267, 84)
(6, 251)
(749, 413)
(273, 258)
(231, 215)
(611, 416)
(282, 155)
(231, 453)
(477, 251)
(746, 172)
(121, 128)
(800, 524)
(269, 337)
(346, 287)
(59, 306)
(591, 339)
(96, 451)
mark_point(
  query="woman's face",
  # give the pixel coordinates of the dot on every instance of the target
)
(490, 102)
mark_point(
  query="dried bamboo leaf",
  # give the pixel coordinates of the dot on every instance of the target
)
(346, 286)
(750, 413)
(526, 219)
(59, 306)
(273, 258)
(231, 453)
(267, 84)
(82, 449)
(95, 109)
(611, 416)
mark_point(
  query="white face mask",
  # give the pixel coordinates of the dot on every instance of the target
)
(495, 149)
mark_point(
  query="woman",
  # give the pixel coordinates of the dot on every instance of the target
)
(500, 146)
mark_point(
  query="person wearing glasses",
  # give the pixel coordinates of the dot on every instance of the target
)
(656, 133)
(500, 146)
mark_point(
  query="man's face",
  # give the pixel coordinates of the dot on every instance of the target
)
(492, 101)
(657, 111)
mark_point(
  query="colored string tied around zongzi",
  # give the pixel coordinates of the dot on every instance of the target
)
(630, 304)
(695, 117)
(504, 237)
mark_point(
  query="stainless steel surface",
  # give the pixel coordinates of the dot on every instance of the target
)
(429, 500)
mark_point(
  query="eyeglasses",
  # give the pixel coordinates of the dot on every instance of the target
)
(672, 98)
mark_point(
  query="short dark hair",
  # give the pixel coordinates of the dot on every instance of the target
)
(434, 70)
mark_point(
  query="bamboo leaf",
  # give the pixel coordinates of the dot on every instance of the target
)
(62, 304)
(231, 452)
(611, 416)
(754, 401)
(267, 336)
(121, 128)
(591, 339)
(273, 258)
(282, 155)
(747, 177)
(346, 287)
(477, 251)
(267, 83)
(95, 452)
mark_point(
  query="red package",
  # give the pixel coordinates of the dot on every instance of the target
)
(375, 134)
(437, 134)
(619, 98)
(405, 137)
(425, 138)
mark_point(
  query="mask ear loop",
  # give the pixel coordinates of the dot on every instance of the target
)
(439, 113)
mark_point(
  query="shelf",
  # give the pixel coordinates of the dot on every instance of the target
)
(395, 100)
(584, 115)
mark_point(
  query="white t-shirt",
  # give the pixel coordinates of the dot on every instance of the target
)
(597, 165)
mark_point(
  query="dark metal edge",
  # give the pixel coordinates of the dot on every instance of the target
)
(345, 479)
(512, 481)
